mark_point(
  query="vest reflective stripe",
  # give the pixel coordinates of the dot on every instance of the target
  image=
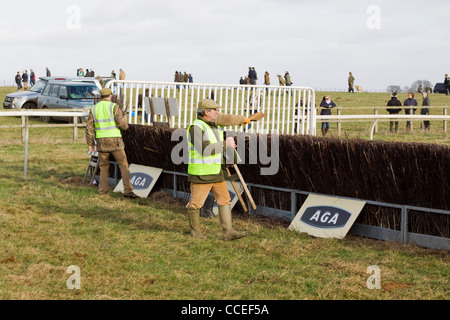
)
(105, 124)
(198, 164)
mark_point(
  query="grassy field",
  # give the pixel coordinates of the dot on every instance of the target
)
(141, 249)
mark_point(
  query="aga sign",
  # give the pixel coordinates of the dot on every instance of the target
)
(326, 217)
(142, 179)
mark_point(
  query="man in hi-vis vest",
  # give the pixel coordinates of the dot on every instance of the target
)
(103, 126)
(207, 167)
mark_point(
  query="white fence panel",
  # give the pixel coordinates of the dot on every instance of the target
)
(290, 110)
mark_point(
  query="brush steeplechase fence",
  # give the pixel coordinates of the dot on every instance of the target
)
(405, 185)
(290, 110)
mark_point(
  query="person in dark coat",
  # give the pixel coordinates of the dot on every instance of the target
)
(446, 84)
(410, 102)
(394, 102)
(326, 105)
(425, 110)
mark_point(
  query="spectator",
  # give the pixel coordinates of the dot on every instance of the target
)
(281, 80)
(252, 75)
(113, 75)
(18, 80)
(32, 78)
(47, 72)
(425, 111)
(326, 104)
(25, 80)
(393, 103)
(351, 81)
(266, 78)
(287, 77)
(410, 102)
(191, 79)
(447, 84)
(121, 74)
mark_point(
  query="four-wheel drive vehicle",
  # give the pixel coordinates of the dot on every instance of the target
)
(67, 95)
(439, 88)
(29, 99)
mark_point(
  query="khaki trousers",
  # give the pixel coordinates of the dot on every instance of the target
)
(121, 159)
(199, 193)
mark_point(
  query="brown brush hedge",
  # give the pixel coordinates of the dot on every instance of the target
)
(415, 174)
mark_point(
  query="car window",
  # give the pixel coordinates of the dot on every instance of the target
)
(54, 92)
(38, 86)
(46, 91)
(63, 91)
(83, 92)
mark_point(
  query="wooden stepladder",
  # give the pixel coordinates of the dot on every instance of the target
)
(92, 168)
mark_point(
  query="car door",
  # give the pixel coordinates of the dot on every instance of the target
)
(53, 99)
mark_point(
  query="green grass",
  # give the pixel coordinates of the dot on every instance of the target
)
(141, 249)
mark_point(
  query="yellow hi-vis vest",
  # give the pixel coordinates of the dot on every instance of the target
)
(105, 124)
(199, 164)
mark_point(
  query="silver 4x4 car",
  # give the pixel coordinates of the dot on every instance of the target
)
(29, 99)
(67, 95)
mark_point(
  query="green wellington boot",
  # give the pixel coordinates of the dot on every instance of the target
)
(194, 223)
(225, 219)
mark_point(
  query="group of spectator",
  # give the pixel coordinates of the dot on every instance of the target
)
(252, 77)
(183, 77)
(22, 80)
(412, 104)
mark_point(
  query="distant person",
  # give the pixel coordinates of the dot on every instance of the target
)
(80, 72)
(420, 89)
(447, 84)
(32, 78)
(86, 74)
(394, 102)
(252, 75)
(113, 75)
(410, 102)
(47, 72)
(425, 111)
(266, 78)
(326, 105)
(25, 80)
(281, 80)
(103, 134)
(18, 80)
(287, 78)
(190, 79)
(121, 74)
(351, 82)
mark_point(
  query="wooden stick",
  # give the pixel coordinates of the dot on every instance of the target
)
(247, 192)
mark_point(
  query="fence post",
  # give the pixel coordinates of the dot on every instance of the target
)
(375, 112)
(445, 121)
(25, 162)
(404, 225)
(339, 123)
(75, 128)
(23, 129)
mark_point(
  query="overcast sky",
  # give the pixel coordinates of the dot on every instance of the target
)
(382, 42)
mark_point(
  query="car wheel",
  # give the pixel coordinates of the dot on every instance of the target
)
(46, 119)
(29, 105)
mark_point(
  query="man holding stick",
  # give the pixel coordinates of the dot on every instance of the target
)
(207, 170)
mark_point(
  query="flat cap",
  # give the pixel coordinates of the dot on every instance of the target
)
(206, 104)
(105, 92)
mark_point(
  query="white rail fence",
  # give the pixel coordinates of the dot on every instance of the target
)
(289, 109)
(25, 114)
